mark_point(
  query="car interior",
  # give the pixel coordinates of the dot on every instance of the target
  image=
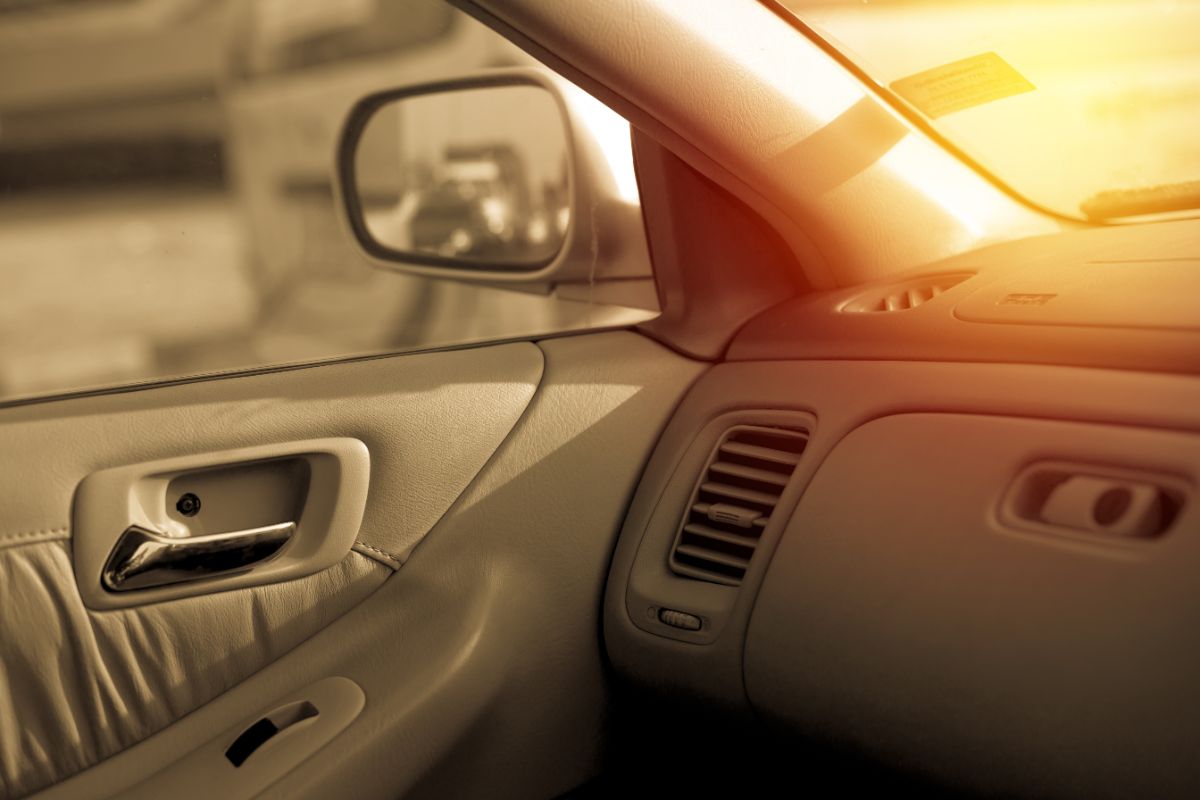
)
(897, 491)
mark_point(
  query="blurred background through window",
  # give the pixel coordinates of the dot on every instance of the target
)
(166, 205)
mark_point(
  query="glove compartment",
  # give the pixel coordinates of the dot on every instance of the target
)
(920, 608)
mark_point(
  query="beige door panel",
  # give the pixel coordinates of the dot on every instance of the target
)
(429, 421)
(480, 660)
(80, 682)
(81, 685)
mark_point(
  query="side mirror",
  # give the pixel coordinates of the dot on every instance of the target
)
(507, 176)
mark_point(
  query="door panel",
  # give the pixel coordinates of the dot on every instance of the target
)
(429, 420)
(482, 648)
(79, 685)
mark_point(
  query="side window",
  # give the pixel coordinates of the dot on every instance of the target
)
(168, 202)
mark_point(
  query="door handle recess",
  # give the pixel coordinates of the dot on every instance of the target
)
(134, 543)
(143, 559)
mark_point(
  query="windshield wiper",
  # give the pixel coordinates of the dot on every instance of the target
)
(1113, 203)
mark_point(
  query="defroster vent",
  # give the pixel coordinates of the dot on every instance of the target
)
(733, 502)
(904, 296)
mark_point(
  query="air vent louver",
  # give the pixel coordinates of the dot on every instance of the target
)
(733, 501)
(904, 296)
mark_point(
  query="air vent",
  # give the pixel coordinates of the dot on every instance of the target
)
(733, 501)
(904, 296)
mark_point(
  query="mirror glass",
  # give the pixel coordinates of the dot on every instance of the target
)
(477, 175)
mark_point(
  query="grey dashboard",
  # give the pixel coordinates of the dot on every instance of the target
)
(973, 550)
(1118, 297)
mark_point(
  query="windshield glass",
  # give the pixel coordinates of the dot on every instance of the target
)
(1090, 109)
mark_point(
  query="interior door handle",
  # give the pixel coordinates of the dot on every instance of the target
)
(143, 559)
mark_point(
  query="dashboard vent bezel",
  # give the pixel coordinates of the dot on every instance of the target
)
(904, 296)
(733, 500)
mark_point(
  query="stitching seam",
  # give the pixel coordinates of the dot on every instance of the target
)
(30, 534)
(35, 537)
(383, 553)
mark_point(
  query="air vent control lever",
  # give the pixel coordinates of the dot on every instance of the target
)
(733, 515)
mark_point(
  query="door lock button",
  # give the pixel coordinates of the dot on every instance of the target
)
(188, 505)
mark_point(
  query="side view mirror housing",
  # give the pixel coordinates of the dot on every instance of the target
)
(509, 176)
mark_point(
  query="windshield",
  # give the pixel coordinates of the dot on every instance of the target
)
(1090, 109)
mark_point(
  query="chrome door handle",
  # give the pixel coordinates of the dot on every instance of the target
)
(144, 559)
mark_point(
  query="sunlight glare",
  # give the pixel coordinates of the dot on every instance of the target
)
(613, 135)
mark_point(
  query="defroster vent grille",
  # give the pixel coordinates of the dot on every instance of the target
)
(904, 296)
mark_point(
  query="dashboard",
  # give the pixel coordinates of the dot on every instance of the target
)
(950, 520)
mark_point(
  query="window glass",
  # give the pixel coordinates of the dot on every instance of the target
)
(1086, 107)
(167, 206)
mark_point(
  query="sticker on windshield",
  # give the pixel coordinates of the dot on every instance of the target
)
(962, 84)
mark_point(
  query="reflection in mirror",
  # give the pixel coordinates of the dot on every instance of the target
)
(474, 175)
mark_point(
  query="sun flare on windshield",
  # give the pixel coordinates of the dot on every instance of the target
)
(1086, 108)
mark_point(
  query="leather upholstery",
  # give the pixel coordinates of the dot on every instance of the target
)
(77, 686)
(481, 658)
